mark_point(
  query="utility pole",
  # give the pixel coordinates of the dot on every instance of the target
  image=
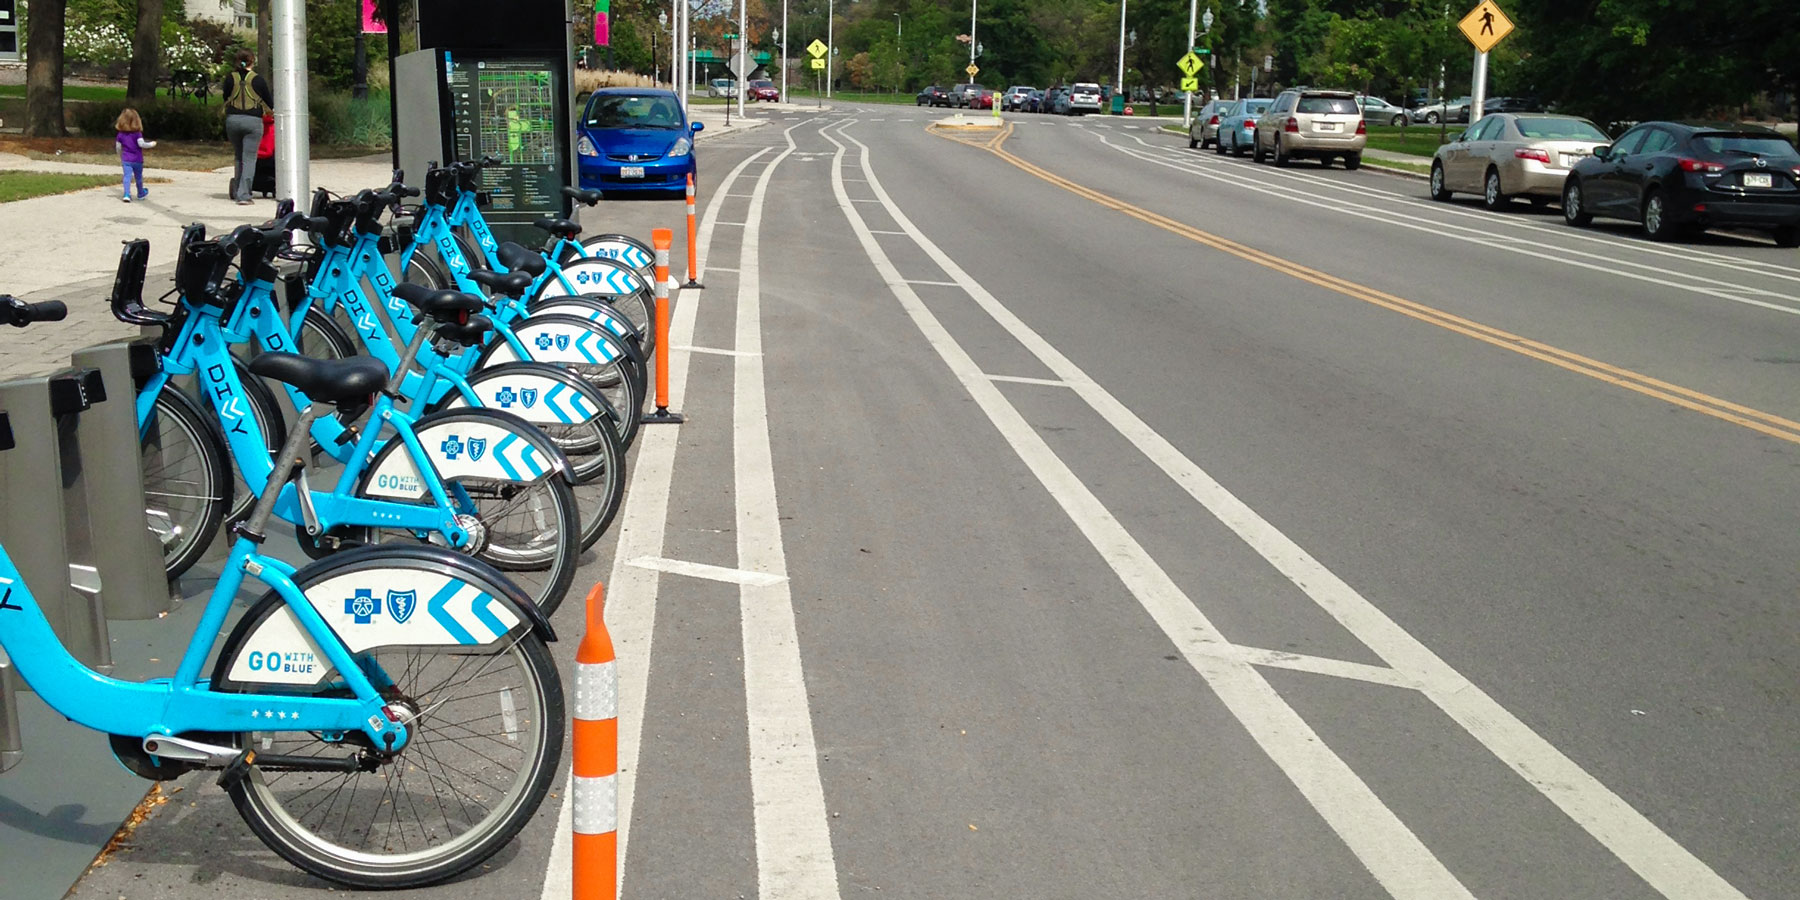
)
(784, 60)
(678, 43)
(1119, 85)
(830, 44)
(293, 153)
(972, 5)
(743, 48)
(1187, 109)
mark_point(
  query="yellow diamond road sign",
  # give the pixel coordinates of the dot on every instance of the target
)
(1190, 83)
(1189, 64)
(1485, 25)
(817, 47)
(973, 70)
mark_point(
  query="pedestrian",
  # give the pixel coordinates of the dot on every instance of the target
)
(130, 138)
(247, 98)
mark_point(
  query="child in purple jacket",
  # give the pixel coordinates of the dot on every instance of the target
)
(131, 150)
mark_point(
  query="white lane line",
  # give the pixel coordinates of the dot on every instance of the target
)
(1013, 379)
(705, 571)
(1317, 665)
(730, 269)
(733, 224)
(919, 280)
(860, 200)
(794, 859)
(1392, 853)
(1475, 234)
(631, 591)
(1634, 839)
(713, 350)
(872, 231)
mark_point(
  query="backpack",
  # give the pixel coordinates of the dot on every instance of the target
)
(243, 93)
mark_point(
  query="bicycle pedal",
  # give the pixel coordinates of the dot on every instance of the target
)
(236, 770)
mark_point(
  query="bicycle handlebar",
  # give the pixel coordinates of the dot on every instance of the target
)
(18, 313)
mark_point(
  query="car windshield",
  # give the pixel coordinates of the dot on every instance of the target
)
(1255, 107)
(633, 111)
(763, 82)
(1547, 129)
(1322, 105)
(1747, 145)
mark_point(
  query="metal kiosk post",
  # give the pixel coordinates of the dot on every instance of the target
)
(131, 569)
(12, 748)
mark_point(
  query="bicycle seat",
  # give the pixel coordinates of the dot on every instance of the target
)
(444, 306)
(468, 334)
(519, 259)
(559, 227)
(324, 380)
(588, 198)
(512, 284)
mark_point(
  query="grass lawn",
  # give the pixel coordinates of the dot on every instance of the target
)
(191, 156)
(796, 93)
(73, 91)
(1416, 140)
(16, 185)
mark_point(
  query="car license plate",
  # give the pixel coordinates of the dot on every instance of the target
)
(1570, 159)
(631, 171)
(1758, 180)
(1325, 126)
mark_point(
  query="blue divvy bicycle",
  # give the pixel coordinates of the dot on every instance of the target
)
(388, 717)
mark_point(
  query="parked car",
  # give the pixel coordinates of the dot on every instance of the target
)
(1673, 177)
(764, 89)
(1083, 98)
(933, 96)
(635, 139)
(1203, 131)
(1510, 105)
(961, 94)
(1506, 155)
(1304, 122)
(721, 87)
(1017, 97)
(1377, 111)
(1237, 127)
(1035, 103)
(983, 99)
(1443, 111)
(1052, 100)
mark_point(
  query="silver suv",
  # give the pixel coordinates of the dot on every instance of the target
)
(1309, 123)
(1084, 98)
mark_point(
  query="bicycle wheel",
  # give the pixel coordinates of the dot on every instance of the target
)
(483, 749)
(185, 478)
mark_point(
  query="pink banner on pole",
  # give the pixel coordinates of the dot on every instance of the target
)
(603, 23)
(371, 23)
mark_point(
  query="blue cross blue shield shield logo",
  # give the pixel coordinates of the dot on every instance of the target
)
(401, 604)
(528, 396)
(477, 446)
(562, 342)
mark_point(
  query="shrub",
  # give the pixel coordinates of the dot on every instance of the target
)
(164, 118)
(340, 120)
(102, 44)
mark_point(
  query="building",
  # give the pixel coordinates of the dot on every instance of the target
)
(232, 13)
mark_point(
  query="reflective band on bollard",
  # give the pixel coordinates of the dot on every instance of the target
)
(594, 802)
(661, 239)
(693, 247)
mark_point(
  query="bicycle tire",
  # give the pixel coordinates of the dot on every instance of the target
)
(522, 754)
(185, 533)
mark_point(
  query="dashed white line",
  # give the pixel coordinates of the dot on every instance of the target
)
(708, 572)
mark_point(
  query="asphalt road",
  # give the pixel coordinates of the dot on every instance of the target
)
(1079, 515)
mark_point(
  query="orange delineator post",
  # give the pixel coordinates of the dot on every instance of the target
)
(661, 239)
(594, 802)
(693, 245)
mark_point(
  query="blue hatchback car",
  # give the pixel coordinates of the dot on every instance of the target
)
(635, 139)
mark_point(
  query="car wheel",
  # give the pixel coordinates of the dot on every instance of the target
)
(1192, 143)
(1353, 161)
(1256, 150)
(1438, 191)
(1219, 147)
(1574, 204)
(1658, 224)
(1787, 236)
(1397, 120)
(1324, 162)
(1281, 157)
(1491, 195)
(1431, 118)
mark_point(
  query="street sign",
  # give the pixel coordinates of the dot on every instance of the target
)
(1189, 63)
(818, 63)
(731, 37)
(973, 70)
(1485, 26)
(1190, 84)
(1268, 64)
(816, 48)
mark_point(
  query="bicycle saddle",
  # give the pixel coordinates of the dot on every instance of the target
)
(512, 284)
(444, 306)
(558, 227)
(324, 380)
(519, 259)
(588, 198)
(468, 334)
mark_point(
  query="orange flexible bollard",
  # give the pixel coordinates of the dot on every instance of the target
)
(595, 799)
(662, 239)
(693, 246)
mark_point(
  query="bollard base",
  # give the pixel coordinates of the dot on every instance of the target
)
(693, 285)
(662, 416)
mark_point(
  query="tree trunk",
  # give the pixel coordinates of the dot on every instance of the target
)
(44, 70)
(265, 35)
(146, 51)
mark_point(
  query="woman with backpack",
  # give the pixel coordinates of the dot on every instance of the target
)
(247, 98)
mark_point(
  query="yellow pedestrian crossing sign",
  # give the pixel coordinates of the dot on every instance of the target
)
(1485, 26)
(818, 63)
(1190, 64)
(973, 70)
(1190, 83)
(817, 47)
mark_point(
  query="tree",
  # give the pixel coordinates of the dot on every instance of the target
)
(44, 69)
(146, 50)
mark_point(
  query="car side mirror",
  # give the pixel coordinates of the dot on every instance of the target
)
(698, 127)
(1603, 151)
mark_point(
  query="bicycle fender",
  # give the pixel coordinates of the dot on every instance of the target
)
(618, 247)
(592, 307)
(538, 393)
(463, 443)
(567, 340)
(593, 276)
(375, 597)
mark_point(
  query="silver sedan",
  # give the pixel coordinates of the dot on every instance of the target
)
(1507, 155)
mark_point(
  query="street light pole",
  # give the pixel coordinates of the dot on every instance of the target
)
(1187, 111)
(1119, 85)
(830, 44)
(784, 60)
(677, 71)
(743, 60)
(292, 152)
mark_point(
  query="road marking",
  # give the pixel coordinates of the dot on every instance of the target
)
(872, 231)
(713, 350)
(733, 224)
(631, 591)
(730, 269)
(1696, 401)
(794, 858)
(1013, 379)
(1392, 853)
(708, 572)
(917, 280)
(1635, 840)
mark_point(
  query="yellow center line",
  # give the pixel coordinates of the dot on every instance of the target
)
(1686, 398)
